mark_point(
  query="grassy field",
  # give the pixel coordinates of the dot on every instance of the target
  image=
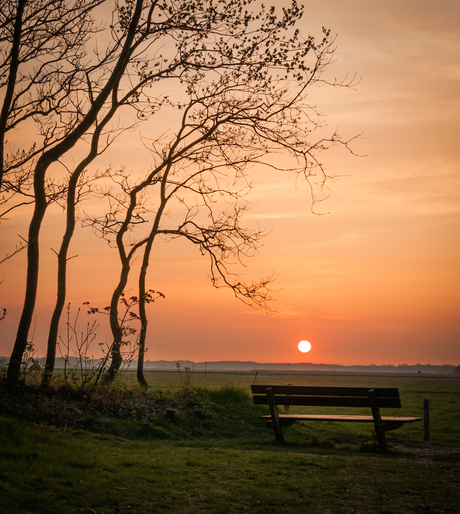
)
(215, 455)
(442, 391)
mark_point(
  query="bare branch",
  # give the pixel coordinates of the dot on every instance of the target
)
(22, 246)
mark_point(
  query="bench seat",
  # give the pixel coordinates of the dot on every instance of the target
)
(343, 417)
(287, 420)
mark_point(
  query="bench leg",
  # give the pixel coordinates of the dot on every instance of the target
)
(379, 426)
(275, 416)
(380, 431)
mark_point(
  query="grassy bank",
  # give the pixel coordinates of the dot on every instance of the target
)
(206, 450)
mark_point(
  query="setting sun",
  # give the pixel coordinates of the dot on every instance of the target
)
(304, 346)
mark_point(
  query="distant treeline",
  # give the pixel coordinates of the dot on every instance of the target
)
(293, 367)
(300, 367)
(444, 369)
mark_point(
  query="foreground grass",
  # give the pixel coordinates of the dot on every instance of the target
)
(206, 450)
(48, 469)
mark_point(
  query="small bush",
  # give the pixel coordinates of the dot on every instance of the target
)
(229, 395)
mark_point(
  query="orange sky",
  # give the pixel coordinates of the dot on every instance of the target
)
(377, 280)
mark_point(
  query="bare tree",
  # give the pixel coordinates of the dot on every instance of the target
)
(253, 107)
(88, 103)
(41, 43)
(41, 53)
(246, 78)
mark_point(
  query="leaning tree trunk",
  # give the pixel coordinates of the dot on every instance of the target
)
(116, 326)
(61, 290)
(143, 316)
(142, 277)
(33, 259)
(63, 251)
(11, 82)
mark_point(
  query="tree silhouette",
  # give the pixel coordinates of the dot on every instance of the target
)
(239, 84)
(254, 107)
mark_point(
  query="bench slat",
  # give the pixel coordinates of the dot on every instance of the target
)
(386, 392)
(327, 401)
(339, 417)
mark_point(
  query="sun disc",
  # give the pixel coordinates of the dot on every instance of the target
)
(304, 346)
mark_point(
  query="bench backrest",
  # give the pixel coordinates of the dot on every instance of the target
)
(327, 396)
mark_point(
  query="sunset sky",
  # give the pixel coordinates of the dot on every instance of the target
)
(375, 279)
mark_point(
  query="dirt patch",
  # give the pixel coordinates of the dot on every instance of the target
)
(428, 451)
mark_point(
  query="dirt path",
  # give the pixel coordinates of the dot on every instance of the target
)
(429, 451)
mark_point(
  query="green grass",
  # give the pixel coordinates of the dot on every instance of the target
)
(212, 453)
(45, 469)
(443, 393)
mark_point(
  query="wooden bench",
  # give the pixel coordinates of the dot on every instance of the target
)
(375, 398)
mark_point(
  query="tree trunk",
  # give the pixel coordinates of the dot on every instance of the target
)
(115, 327)
(63, 251)
(33, 247)
(14, 66)
(115, 365)
(143, 317)
(61, 293)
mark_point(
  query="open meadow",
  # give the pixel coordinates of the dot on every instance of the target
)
(203, 448)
